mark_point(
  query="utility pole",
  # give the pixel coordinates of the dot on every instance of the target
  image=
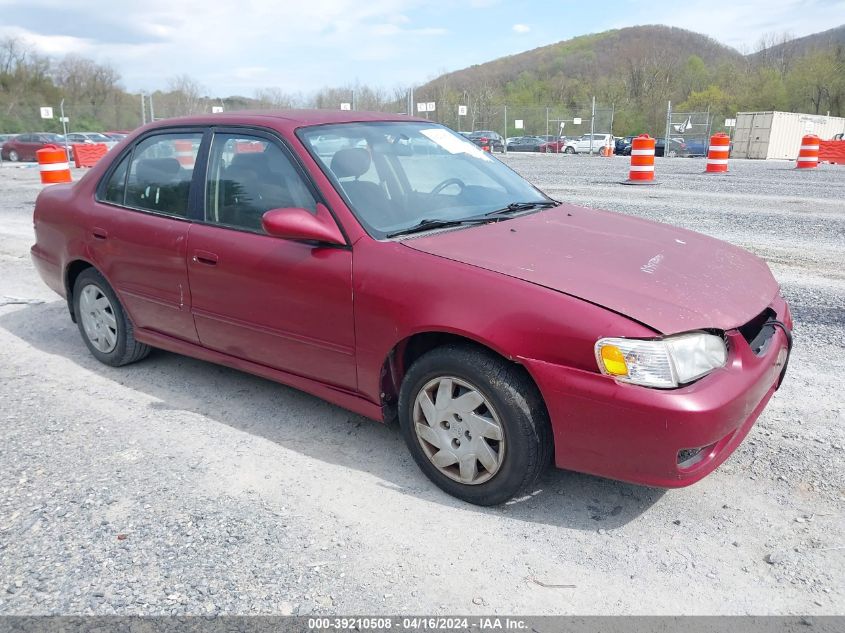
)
(592, 125)
(152, 112)
(143, 110)
(547, 121)
(505, 137)
(612, 113)
(668, 124)
(64, 125)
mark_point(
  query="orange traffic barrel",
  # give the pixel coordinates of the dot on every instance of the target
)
(53, 165)
(808, 155)
(642, 161)
(248, 147)
(184, 152)
(718, 153)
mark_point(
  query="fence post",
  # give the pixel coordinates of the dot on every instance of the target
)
(592, 125)
(505, 137)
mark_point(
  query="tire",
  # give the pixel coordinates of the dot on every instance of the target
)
(13, 156)
(569, 150)
(673, 153)
(104, 326)
(511, 402)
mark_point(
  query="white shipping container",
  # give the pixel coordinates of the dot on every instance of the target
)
(777, 135)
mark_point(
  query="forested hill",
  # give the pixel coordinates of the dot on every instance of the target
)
(780, 46)
(596, 56)
(638, 69)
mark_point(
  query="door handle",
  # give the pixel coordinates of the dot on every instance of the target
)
(204, 257)
(99, 234)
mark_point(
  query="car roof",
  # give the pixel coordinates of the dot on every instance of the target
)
(298, 117)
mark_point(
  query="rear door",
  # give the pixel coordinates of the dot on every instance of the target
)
(139, 231)
(281, 303)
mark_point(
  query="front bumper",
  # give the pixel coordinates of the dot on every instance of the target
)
(635, 433)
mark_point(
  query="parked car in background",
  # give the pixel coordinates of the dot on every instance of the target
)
(696, 146)
(552, 144)
(525, 144)
(676, 147)
(91, 138)
(621, 144)
(488, 138)
(587, 143)
(504, 329)
(24, 146)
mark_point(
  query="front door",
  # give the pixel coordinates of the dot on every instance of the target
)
(277, 302)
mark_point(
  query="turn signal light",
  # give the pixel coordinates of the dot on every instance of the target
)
(614, 361)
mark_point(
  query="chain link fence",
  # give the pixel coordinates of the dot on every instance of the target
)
(687, 133)
(464, 115)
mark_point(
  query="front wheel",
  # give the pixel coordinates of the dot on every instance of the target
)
(474, 423)
(13, 156)
(569, 150)
(105, 327)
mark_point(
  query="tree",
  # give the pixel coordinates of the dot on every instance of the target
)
(84, 81)
(185, 96)
(817, 80)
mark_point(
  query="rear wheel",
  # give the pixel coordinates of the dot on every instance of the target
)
(13, 156)
(474, 423)
(104, 326)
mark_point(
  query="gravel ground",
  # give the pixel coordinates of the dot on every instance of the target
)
(179, 487)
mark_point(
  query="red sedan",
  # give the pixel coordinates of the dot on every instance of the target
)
(24, 146)
(399, 271)
(552, 144)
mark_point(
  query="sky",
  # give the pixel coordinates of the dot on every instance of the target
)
(236, 48)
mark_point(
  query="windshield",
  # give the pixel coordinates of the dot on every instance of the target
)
(395, 175)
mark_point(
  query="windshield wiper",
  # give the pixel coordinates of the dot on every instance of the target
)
(428, 224)
(515, 207)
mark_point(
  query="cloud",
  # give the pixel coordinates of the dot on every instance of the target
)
(521, 28)
(740, 24)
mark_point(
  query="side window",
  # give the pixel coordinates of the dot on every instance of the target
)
(248, 176)
(115, 189)
(160, 173)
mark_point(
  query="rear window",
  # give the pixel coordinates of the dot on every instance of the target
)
(157, 175)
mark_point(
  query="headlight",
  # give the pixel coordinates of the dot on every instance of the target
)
(667, 363)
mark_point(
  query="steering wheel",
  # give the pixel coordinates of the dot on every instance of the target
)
(448, 183)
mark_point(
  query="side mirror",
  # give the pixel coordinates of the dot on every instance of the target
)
(300, 224)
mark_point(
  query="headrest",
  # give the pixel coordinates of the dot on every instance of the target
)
(254, 161)
(150, 169)
(351, 162)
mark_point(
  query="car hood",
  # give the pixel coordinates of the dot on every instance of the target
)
(667, 278)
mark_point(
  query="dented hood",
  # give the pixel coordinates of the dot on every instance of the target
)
(670, 279)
